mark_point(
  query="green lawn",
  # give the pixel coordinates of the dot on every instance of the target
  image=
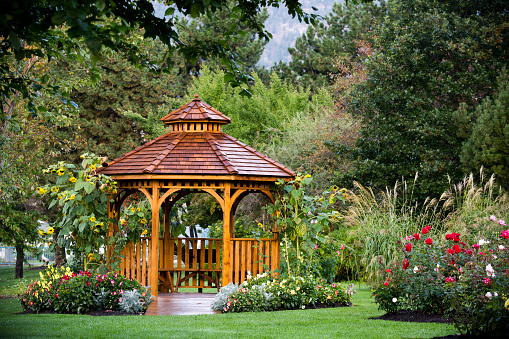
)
(348, 322)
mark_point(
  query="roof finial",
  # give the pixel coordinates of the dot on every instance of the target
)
(196, 98)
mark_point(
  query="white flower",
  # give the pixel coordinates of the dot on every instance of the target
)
(501, 247)
(394, 300)
(303, 307)
(493, 218)
(490, 272)
(483, 242)
(495, 294)
(416, 269)
(488, 295)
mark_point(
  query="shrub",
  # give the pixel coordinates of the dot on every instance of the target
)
(221, 298)
(468, 283)
(266, 293)
(63, 291)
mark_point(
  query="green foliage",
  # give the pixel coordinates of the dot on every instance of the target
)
(303, 221)
(429, 56)
(314, 57)
(488, 144)
(255, 118)
(63, 291)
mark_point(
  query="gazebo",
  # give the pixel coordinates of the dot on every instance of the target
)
(194, 156)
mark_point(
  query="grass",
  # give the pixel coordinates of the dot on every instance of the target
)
(348, 322)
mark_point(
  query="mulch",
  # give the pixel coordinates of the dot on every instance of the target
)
(410, 316)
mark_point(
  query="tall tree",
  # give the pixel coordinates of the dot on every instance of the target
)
(429, 56)
(313, 57)
(488, 144)
(246, 49)
(122, 110)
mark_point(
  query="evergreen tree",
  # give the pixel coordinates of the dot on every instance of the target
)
(429, 56)
(488, 144)
(246, 47)
(122, 111)
(316, 51)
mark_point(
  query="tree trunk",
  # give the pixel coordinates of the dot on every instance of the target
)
(59, 251)
(20, 258)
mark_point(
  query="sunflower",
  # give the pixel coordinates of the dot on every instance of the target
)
(73, 179)
(51, 230)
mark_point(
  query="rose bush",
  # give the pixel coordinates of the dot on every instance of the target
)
(468, 283)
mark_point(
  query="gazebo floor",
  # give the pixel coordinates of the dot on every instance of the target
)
(182, 304)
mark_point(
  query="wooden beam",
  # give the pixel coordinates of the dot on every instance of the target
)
(154, 250)
(226, 235)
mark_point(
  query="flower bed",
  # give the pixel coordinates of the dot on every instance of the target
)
(62, 291)
(467, 283)
(265, 293)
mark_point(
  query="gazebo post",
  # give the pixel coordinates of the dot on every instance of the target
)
(154, 240)
(226, 235)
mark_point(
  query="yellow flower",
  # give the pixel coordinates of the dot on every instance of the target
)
(73, 179)
(143, 221)
(72, 197)
(335, 188)
(506, 305)
(87, 178)
(101, 224)
(123, 222)
(144, 232)
(138, 209)
(345, 196)
(343, 190)
(93, 167)
(51, 230)
(55, 189)
(92, 219)
(132, 209)
(61, 171)
(41, 232)
(41, 190)
(308, 175)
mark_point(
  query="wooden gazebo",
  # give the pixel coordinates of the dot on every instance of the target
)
(194, 156)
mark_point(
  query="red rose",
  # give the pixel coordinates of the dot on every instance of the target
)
(386, 283)
(388, 270)
(408, 247)
(450, 251)
(428, 241)
(456, 249)
(424, 230)
(417, 236)
(405, 264)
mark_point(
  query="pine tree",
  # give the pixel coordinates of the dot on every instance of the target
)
(316, 51)
(488, 145)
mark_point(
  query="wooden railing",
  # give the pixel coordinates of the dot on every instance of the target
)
(197, 262)
(190, 263)
(252, 255)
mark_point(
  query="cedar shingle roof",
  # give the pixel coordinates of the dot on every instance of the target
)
(196, 110)
(185, 152)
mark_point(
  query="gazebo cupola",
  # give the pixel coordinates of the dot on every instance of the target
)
(194, 156)
(197, 116)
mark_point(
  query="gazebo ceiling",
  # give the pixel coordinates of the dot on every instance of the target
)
(196, 145)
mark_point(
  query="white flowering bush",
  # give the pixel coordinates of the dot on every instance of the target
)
(266, 293)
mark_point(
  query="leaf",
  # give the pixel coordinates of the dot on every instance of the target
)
(169, 11)
(13, 38)
(94, 44)
(228, 77)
